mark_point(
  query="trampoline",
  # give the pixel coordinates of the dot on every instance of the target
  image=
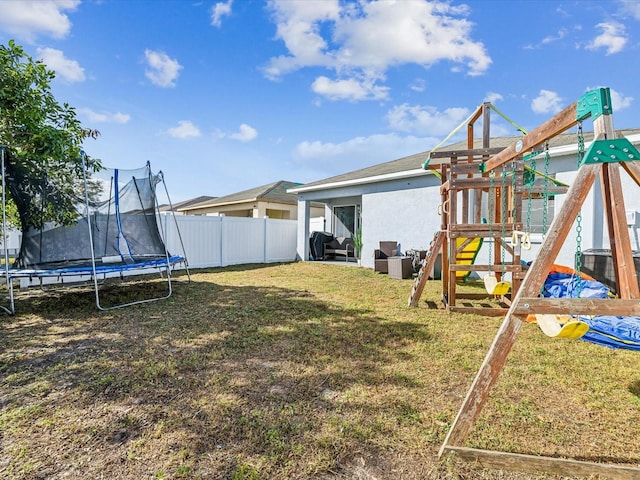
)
(116, 232)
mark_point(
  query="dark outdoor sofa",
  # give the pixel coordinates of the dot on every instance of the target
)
(339, 246)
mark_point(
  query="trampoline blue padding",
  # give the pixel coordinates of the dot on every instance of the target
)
(101, 268)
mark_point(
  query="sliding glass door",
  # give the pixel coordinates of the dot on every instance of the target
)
(346, 220)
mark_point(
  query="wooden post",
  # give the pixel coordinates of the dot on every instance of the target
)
(444, 227)
(621, 254)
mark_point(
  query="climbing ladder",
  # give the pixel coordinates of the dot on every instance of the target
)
(428, 263)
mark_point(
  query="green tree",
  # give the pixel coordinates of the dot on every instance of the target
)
(43, 142)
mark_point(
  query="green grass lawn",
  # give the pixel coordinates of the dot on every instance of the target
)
(290, 371)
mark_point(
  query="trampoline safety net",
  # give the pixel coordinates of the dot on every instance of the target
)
(121, 210)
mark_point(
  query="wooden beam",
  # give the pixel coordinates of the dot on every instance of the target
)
(577, 306)
(475, 152)
(476, 267)
(633, 169)
(538, 190)
(469, 168)
(484, 230)
(555, 126)
(476, 296)
(535, 464)
(476, 182)
(470, 230)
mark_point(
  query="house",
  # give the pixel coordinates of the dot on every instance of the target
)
(400, 201)
(184, 204)
(270, 200)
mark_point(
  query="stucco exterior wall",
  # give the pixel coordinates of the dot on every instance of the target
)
(408, 217)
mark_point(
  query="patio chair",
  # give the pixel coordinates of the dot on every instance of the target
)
(380, 255)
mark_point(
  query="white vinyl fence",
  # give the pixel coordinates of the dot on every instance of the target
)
(220, 241)
(317, 224)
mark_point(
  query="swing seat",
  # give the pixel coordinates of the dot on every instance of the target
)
(494, 287)
(561, 326)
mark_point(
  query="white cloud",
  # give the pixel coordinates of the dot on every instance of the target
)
(554, 38)
(360, 152)
(298, 25)
(104, 117)
(163, 70)
(631, 7)
(426, 120)
(613, 38)
(559, 35)
(219, 10)
(28, 20)
(418, 85)
(349, 89)
(499, 129)
(69, 70)
(245, 133)
(493, 97)
(547, 102)
(619, 101)
(363, 40)
(185, 129)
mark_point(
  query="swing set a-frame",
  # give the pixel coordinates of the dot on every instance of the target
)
(604, 159)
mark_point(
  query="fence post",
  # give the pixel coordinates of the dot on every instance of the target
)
(265, 252)
(222, 229)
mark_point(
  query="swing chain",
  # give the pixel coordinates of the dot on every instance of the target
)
(513, 190)
(545, 197)
(578, 257)
(532, 166)
(503, 219)
(492, 182)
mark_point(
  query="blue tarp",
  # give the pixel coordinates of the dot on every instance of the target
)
(613, 332)
(564, 285)
(605, 330)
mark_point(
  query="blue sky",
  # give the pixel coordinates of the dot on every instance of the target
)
(226, 96)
